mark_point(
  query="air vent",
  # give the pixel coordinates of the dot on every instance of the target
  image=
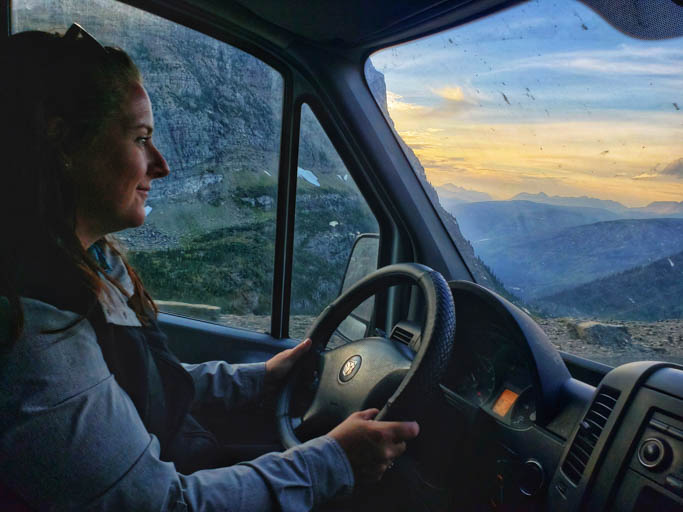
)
(589, 433)
(401, 335)
(406, 332)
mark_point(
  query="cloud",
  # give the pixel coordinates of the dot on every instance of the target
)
(621, 67)
(625, 60)
(675, 168)
(450, 93)
(646, 176)
(455, 99)
(395, 103)
(449, 101)
(418, 146)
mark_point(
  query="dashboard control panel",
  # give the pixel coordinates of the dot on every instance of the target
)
(659, 456)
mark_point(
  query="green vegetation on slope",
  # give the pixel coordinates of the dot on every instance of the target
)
(232, 267)
(327, 222)
(229, 267)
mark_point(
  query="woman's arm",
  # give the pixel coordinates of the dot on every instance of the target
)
(234, 384)
(70, 438)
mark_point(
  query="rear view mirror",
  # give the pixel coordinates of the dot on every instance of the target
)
(362, 261)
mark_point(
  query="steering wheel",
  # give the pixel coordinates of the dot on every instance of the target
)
(371, 370)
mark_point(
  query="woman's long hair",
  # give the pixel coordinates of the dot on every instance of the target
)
(55, 96)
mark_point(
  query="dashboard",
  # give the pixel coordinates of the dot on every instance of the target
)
(495, 376)
(534, 438)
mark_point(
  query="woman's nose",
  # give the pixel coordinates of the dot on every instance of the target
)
(158, 167)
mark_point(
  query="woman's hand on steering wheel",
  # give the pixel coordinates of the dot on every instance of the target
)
(371, 446)
(279, 366)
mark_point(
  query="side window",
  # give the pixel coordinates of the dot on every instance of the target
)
(330, 214)
(206, 249)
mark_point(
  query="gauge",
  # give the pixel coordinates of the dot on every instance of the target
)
(524, 411)
(477, 382)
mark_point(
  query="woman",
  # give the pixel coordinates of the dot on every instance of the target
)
(94, 409)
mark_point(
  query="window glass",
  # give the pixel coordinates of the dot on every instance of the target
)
(330, 214)
(206, 249)
(556, 141)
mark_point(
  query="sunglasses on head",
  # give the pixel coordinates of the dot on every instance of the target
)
(77, 33)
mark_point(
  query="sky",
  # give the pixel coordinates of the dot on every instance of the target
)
(543, 97)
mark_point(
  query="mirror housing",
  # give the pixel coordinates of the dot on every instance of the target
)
(362, 261)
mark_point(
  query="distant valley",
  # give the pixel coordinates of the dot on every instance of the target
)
(578, 256)
(533, 268)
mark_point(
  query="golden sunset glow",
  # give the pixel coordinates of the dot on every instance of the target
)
(529, 100)
(619, 159)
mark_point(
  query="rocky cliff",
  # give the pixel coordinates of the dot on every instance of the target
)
(481, 272)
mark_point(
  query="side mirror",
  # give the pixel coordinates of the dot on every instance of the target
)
(362, 261)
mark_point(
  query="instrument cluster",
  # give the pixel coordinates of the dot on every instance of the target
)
(489, 370)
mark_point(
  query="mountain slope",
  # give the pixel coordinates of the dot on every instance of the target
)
(590, 202)
(662, 208)
(491, 223)
(582, 254)
(450, 195)
(656, 209)
(650, 293)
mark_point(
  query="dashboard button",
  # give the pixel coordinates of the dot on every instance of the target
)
(653, 453)
(675, 484)
(531, 477)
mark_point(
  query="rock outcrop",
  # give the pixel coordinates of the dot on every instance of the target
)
(605, 335)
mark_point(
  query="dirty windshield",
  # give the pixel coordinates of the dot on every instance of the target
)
(553, 144)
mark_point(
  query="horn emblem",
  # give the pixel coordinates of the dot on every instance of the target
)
(350, 368)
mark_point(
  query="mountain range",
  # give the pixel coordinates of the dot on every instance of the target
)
(656, 297)
(584, 201)
(558, 254)
(492, 223)
(534, 268)
(451, 195)
(657, 208)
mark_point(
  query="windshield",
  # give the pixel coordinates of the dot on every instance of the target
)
(553, 144)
